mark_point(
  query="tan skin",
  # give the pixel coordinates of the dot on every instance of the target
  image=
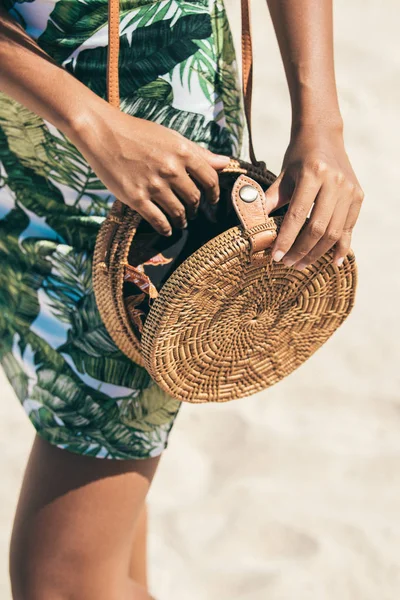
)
(80, 525)
(316, 169)
(74, 525)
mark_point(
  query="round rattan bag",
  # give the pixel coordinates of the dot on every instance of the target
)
(207, 311)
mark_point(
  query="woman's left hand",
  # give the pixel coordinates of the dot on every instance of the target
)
(315, 170)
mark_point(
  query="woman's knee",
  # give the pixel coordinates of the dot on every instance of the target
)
(40, 570)
(38, 575)
(55, 580)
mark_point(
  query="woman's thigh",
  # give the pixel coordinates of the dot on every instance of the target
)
(74, 524)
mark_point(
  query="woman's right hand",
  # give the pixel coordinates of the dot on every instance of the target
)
(149, 167)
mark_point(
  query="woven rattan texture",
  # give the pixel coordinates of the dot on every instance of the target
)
(108, 280)
(223, 329)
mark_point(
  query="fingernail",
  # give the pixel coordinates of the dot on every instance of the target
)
(288, 262)
(278, 255)
(339, 262)
(184, 225)
(169, 233)
(301, 266)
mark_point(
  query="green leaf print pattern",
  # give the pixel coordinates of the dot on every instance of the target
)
(177, 68)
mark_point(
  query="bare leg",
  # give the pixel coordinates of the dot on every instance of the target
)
(74, 525)
(138, 564)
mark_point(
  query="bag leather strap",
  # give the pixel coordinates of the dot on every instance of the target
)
(247, 72)
(247, 63)
(248, 199)
(113, 53)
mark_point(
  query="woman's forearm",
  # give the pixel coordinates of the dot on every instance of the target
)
(33, 78)
(304, 30)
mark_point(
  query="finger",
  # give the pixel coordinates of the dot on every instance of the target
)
(279, 193)
(166, 199)
(217, 161)
(205, 176)
(300, 204)
(188, 192)
(332, 235)
(316, 227)
(153, 215)
(343, 246)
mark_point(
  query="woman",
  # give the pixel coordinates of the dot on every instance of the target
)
(80, 525)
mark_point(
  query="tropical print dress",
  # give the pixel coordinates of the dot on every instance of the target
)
(178, 68)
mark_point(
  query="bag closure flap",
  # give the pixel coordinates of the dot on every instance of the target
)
(248, 199)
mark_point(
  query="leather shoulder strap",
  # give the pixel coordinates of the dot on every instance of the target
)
(113, 53)
(247, 63)
(247, 72)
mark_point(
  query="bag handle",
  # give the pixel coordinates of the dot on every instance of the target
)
(247, 63)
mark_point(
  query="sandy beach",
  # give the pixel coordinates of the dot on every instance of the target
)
(293, 493)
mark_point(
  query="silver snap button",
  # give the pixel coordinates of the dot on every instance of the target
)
(248, 193)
